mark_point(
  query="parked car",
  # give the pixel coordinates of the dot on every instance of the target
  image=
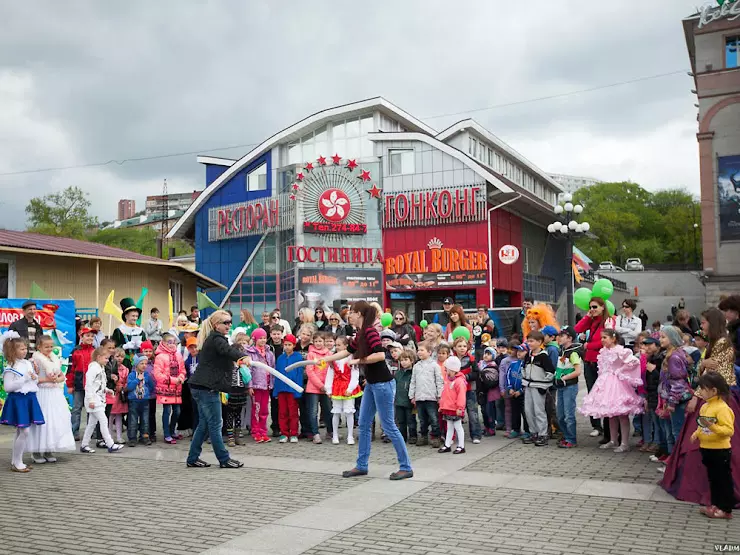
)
(607, 267)
(634, 265)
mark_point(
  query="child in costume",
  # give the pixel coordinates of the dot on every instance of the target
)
(315, 394)
(287, 397)
(140, 387)
(56, 434)
(343, 385)
(169, 373)
(21, 408)
(129, 335)
(452, 405)
(261, 384)
(118, 401)
(95, 392)
(613, 395)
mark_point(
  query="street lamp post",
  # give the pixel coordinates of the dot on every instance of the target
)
(565, 228)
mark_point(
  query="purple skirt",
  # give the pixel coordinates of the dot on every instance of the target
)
(21, 410)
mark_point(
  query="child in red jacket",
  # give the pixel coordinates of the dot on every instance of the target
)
(452, 405)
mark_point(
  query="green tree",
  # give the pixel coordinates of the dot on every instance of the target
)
(63, 214)
(629, 221)
(137, 239)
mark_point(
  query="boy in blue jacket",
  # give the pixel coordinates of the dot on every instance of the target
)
(287, 397)
(139, 387)
(516, 390)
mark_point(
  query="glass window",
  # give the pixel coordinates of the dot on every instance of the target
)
(338, 130)
(320, 142)
(176, 289)
(471, 142)
(294, 153)
(731, 46)
(352, 148)
(353, 128)
(402, 162)
(366, 125)
(257, 179)
(490, 157)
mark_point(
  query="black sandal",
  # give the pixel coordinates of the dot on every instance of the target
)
(198, 464)
(354, 472)
(444, 450)
(459, 450)
(231, 463)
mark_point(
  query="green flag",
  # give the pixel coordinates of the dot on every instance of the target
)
(37, 292)
(140, 304)
(204, 302)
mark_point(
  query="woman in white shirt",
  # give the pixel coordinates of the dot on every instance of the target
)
(627, 324)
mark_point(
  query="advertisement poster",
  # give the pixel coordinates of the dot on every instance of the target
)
(56, 317)
(322, 288)
(402, 282)
(728, 181)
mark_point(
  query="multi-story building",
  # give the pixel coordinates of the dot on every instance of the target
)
(713, 40)
(571, 183)
(157, 204)
(155, 221)
(365, 201)
(126, 209)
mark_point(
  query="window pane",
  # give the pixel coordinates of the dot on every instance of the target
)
(353, 148)
(320, 134)
(395, 163)
(353, 128)
(366, 125)
(4, 277)
(320, 149)
(338, 130)
(308, 153)
(257, 179)
(731, 47)
(408, 162)
(294, 153)
(367, 147)
(340, 147)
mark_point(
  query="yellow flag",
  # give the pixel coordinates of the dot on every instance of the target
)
(111, 307)
(576, 273)
(171, 306)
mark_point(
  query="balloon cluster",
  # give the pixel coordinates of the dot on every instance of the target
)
(603, 289)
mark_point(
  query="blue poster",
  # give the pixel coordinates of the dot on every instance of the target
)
(56, 317)
(728, 183)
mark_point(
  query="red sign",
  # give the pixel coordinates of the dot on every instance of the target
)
(436, 260)
(508, 254)
(334, 205)
(44, 316)
(246, 219)
(334, 255)
(434, 207)
(344, 229)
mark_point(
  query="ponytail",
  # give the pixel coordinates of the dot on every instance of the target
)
(209, 324)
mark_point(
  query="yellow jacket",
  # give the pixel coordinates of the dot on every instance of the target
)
(719, 433)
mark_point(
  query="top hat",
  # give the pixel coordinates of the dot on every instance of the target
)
(127, 305)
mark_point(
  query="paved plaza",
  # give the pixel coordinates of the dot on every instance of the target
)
(499, 497)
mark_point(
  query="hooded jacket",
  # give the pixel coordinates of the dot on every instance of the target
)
(169, 373)
(426, 381)
(538, 371)
(403, 383)
(260, 378)
(453, 395)
(316, 375)
(296, 374)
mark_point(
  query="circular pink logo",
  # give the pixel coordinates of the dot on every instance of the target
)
(334, 205)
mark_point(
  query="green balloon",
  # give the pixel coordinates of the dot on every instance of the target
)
(582, 297)
(386, 319)
(423, 324)
(610, 308)
(603, 288)
(461, 331)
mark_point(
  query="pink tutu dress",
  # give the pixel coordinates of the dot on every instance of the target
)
(614, 394)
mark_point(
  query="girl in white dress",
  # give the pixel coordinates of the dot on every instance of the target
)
(56, 434)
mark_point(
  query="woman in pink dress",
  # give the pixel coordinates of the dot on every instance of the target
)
(613, 395)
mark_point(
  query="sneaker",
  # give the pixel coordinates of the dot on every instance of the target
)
(608, 445)
(38, 458)
(525, 435)
(257, 439)
(422, 441)
(654, 458)
(413, 440)
(661, 469)
(131, 443)
(513, 435)
(293, 439)
(350, 440)
(566, 445)
(476, 441)
(444, 450)
(604, 441)
(86, 449)
(50, 458)
(266, 439)
(541, 442)
(100, 444)
(147, 441)
(622, 449)
(231, 463)
(172, 441)
(435, 443)
(528, 439)
(595, 433)
(283, 439)
(115, 448)
(317, 439)
(335, 441)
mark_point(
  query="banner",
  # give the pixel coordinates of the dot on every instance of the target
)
(728, 183)
(56, 317)
(321, 288)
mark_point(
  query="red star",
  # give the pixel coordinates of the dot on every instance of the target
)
(374, 191)
(322, 161)
(296, 186)
(365, 175)
(300, 176)
(351, 165)
(292, 197)
(309, 166)
(336, 159)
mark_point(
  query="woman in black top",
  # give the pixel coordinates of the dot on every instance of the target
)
(404, 330)
(211, 378)
(337, 327)
(379, 393)
(320, 319)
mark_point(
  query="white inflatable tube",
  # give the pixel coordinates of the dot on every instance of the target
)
(278, 375)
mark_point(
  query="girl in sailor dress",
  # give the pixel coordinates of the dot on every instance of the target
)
(21, 408)
(342, 385)
(56, 435)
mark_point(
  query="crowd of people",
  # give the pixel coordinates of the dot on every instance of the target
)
(676, 384)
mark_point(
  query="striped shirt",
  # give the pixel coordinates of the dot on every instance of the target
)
(376, 372)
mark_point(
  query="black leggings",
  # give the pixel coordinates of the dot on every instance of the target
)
(721, 486)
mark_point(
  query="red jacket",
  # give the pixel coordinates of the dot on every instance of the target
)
(78, 363)
(595, 326)
(453, 395)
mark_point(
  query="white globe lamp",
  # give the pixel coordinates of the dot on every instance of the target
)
(558, 209)
(578, 209)
(551, 228)
(572, 225)
(567, 197)
(568, 206)
(586, 226)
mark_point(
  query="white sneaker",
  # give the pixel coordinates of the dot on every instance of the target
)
(51, 459)
(622, 449)
(39, 459)
(610, 445)
(335, 441)
(350, 440)
(476, 441)
(293, 439)
(595, 433)
(283, 439)
(661, 469)
(317, 439)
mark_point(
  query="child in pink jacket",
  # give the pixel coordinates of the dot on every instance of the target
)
(169, 373)
(315, 392)
(260, 385)
(452, 404)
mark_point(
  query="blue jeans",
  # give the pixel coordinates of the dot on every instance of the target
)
(672, 426)
(170, 416)
(491, 414)
(428, 412)
(659, 438)
(380, 397)
(471, 405)
(209, 414)
(566, 411)
(312, 406)
(78, 405)
(138, 418)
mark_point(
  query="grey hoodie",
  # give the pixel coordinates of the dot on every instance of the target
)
(426, 381)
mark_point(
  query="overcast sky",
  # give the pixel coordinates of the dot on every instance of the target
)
(88, 82)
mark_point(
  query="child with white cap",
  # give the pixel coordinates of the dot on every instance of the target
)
(452, 404)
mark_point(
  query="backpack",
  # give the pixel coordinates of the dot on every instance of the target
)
(488, 377)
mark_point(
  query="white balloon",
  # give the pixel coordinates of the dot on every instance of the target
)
(572, 225)
(568, 206)
(586, 226)
(558, 209)
(567, 197)
(578, 209)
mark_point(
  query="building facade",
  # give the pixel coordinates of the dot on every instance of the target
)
(126, 209)
(713, 39)
(179, 202)
(571, 183)
(364, 201)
